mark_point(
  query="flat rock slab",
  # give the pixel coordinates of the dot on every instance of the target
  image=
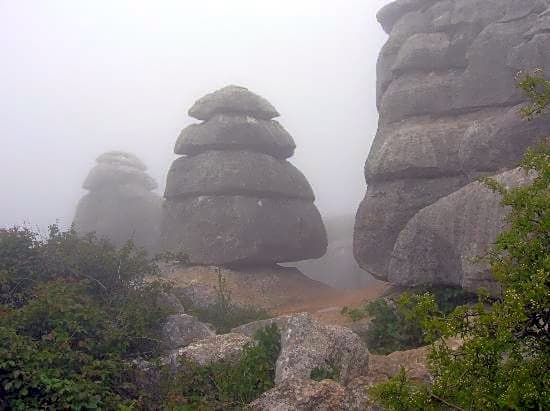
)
(235, 173)
(220, 348)
(236, 132)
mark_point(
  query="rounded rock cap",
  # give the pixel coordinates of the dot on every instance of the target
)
(122, 158)
(109, 175)
(233, 100)
(236, 132)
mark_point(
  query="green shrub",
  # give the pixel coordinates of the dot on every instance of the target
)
(228, 385)
(328, 372)
(74, 312)
(396, 324)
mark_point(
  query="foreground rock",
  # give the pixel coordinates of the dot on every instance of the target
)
(461, 226)
(449, 107)
(306, 345)
(219, 348)
(120, 205)
(233, 199)
(180, 330)
(299, 394)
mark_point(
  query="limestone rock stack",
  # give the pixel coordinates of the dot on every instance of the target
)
(120, 205)
(448, 107)
(232, 198)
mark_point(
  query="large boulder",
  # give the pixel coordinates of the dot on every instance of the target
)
(233, 199)
(121, 205)
(307, 344)
(444, 242)
(449, 113)
(236, 132)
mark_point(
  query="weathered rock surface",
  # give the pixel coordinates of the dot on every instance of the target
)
(180, 330)
(120, 205)
(449, 113)
(306, 344)
(234, 200)
(219, 348)
(236, 132)
(300, 394)
(244, 230)
(235, 173)
(461, 227)
(233, 100)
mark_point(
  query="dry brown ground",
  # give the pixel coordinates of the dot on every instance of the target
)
(280, 290)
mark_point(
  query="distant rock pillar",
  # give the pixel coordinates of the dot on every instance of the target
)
(120, 205)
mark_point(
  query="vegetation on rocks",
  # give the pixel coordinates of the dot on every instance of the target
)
(227, 385)
(395, 322)
(77, 318)
(504, 359)
(74, 312)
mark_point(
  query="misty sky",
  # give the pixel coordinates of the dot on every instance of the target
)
(80, 77)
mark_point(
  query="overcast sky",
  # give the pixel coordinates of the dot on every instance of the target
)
(79, 77)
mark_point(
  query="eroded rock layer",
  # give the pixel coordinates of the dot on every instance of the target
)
(233, 198)
(449, 113)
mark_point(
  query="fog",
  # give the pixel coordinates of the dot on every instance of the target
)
(82, 77)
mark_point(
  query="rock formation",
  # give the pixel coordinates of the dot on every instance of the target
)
(120, 205)
(233, 198)
(448, 108)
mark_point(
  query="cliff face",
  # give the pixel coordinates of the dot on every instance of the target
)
(448, 107)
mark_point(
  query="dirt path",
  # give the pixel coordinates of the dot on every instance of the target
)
(328, 306)
(280, 290)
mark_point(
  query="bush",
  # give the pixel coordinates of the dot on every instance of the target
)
(396, 323)
(229, 385)
(74, 312)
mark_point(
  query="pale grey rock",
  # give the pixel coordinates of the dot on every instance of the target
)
(236, 132)
(443, 243)
(180, 330)
(232, 100)
(216, 349)
(449, 111)
(386, 209)
(243, 230)
(120, 214)
(109, 175)
(121, 158)
(235, 173)
(304, 395)
(306, 344)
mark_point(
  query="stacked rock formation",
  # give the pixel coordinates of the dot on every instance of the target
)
(448, 107)
(120, 205)
(233, 198)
